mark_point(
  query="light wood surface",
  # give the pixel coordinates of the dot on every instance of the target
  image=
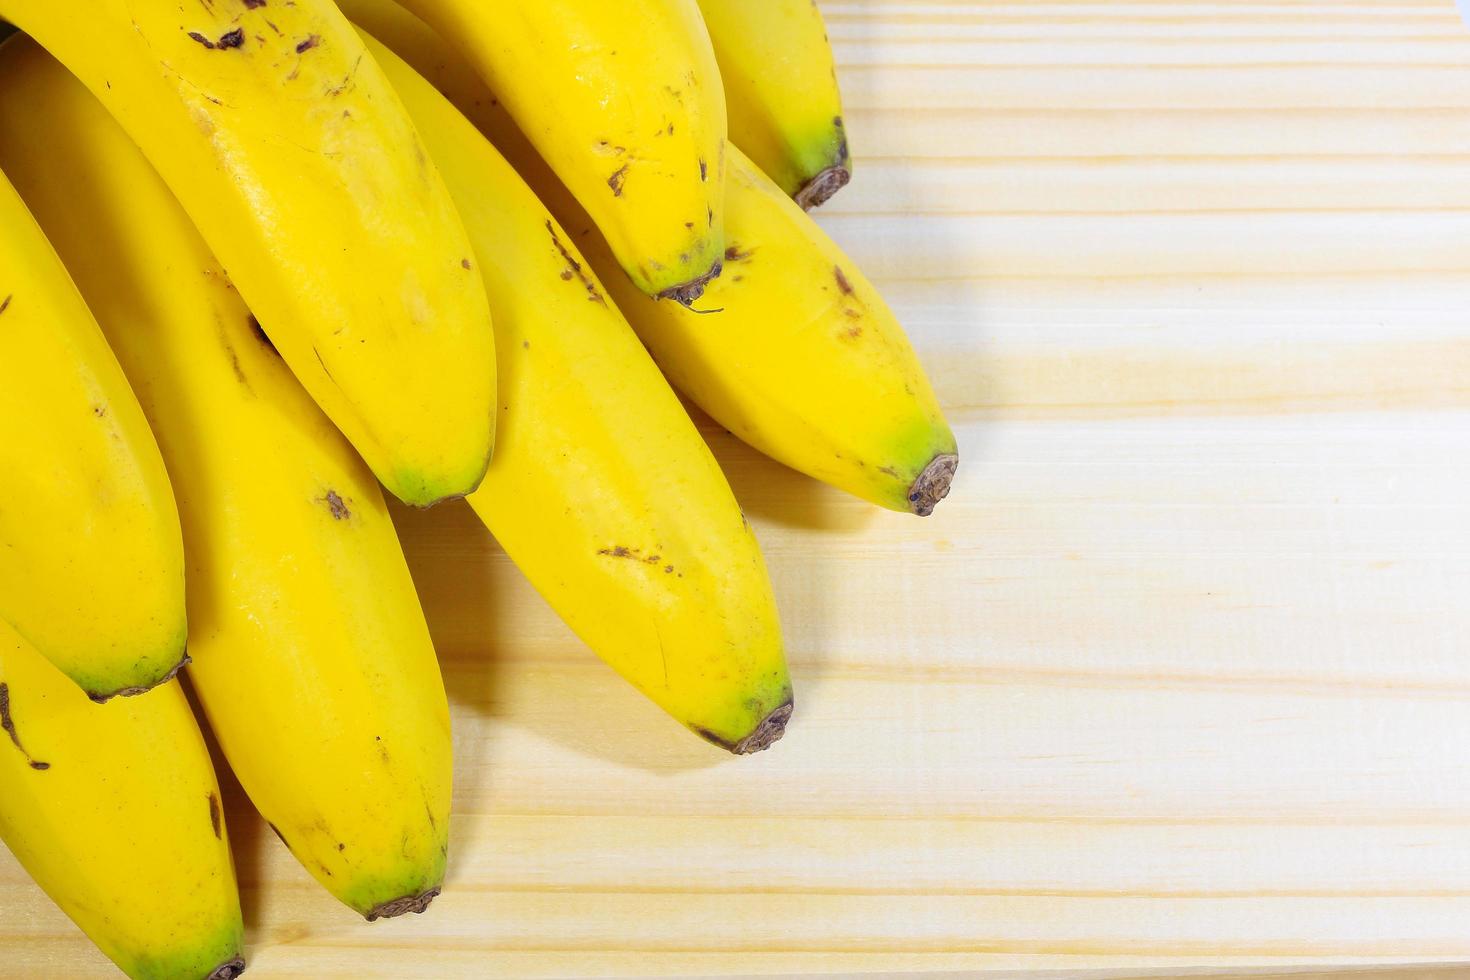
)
(1179, 676)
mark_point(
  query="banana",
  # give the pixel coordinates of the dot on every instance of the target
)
(801, 358)
(624, 101)
(602, 491)
(311, 655)
(91, 562)
(286, 146)
(781, 90)
(115, 812)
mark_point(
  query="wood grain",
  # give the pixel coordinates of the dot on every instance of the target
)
(1179, 676)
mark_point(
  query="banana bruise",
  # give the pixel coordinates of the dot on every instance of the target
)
(793, 351)
(781, 91)
(115, 812)
(602, 491)
(91, 561)
(624, 102)
(283, 141)
(312, 659)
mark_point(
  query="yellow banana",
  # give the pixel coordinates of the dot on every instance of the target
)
(781, 89)
(285, 144)
(624, 101)
(91, 563)
(803, 359)
(602, 490)
(115, 812)
(311, 655)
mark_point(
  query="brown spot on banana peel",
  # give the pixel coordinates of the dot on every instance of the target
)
(8, 725)
(102, 697)
(574, 268)
(232, 39)
(402, 906)
(616, 180)
(842, 282)
(5, 303)
(819, 190)
(733, 253)
(253, 4)
(932, 485)
(235, 364)
(214, 816)
(306, 45)
(765, 734)
(337, 506)
(228, 970)
(686, 293)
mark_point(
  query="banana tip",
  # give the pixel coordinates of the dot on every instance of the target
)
(102, 697)
(765, 735)
(228, 970)
(402, 906)
(932, 485)
(817, 191)
(686, 293)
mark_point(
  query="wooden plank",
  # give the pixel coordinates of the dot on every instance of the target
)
(1176, 679)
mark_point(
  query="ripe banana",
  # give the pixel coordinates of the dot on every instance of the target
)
(312, 658)
(602, 490)
(781, 90)
(91, 562)
(285, 144)
(115, 812)
(801, 358)
(624, 101)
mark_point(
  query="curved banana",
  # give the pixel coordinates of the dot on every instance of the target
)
(602, 490)
(283, 141)
(91, 562)
(115, 812)
(781, 89)
(624, 101)
(311, 655)
(801, 358)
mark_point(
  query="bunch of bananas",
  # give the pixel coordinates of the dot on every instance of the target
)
(251, 252)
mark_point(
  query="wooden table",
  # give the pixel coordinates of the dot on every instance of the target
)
(1180, 674)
